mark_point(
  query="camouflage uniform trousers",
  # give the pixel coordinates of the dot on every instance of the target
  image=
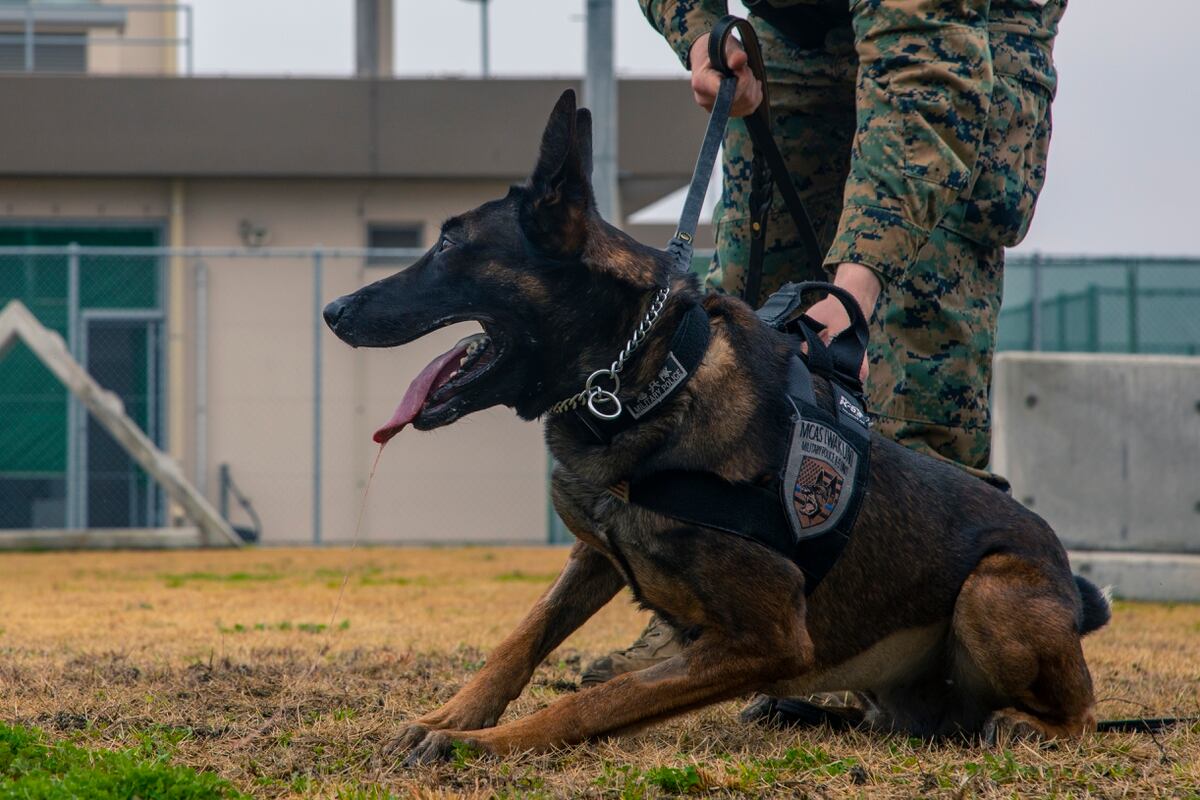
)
(897, 176)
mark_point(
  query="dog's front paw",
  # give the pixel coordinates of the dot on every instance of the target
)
(429, 747)
(409, 737)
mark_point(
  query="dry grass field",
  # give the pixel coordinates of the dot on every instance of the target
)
(227, 662)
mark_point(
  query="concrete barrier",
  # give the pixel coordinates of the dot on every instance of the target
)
(1107, 449)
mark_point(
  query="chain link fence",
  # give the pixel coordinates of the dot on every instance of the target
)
(222, 358)
(1102, 305)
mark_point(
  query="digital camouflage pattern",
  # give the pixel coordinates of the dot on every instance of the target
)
(917, 137)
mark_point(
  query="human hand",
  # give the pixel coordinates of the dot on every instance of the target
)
(864, 286)
(706, 78)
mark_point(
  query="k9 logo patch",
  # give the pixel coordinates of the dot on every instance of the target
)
(816, 492)
(819, 477)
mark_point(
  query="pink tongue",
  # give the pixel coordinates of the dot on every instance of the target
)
(434, 375)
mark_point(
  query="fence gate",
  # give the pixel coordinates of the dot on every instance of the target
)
(122, 352)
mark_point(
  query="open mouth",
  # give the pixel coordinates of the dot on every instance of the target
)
(438, 392)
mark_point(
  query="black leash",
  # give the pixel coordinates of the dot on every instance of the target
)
(683, 242)
(768, 166)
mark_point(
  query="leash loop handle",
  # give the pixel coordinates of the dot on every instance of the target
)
(717, 56)
(766, 152)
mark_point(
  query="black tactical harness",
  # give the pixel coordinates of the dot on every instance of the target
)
(807, 510)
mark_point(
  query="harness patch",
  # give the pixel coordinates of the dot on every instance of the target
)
(816, 492)
(848, 407)
(820, 477)
(671, 375)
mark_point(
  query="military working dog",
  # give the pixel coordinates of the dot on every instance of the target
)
(952, 608)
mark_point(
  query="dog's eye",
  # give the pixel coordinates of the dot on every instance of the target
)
(444, 244)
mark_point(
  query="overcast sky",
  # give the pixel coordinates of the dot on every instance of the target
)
(1124, 163)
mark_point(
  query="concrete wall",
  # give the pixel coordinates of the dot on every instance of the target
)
(1107, 449)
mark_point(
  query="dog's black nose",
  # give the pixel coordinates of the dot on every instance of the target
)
(334, 311)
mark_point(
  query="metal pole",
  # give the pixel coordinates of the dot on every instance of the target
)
(318, 293)
(190, 38)
(485, 55)
(1035, 305)
(365, 52)
(600, 95)
(152, 333)
(1093, 318)
(223, 484)
(201, 463)
(1062, 322)
(74, 409)
(29, 57)
(1131, 300)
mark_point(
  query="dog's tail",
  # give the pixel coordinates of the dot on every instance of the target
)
(1097, 610)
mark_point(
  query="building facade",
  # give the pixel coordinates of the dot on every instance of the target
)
(219, 356)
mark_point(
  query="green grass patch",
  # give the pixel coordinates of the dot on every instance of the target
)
(676, 780)
(517, 576)
(34, 768)
(628, 782)
(285, 626)
(176, 580)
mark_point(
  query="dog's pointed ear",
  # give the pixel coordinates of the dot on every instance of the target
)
(557, 141)
(583, 142)
(559, 201)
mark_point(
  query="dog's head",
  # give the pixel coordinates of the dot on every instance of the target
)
(547, 279)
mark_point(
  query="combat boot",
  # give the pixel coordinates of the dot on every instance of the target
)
(658, 642)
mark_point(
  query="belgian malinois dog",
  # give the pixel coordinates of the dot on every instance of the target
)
(952, 608)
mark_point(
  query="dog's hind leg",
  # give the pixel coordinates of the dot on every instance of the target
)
(1016, 622)
(586, 584)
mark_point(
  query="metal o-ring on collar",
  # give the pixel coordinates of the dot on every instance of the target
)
(603, 397)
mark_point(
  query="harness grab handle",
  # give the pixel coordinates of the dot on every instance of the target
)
(846, 350)
(749, 41)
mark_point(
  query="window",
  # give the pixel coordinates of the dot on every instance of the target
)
(389, 236)
(64, 53)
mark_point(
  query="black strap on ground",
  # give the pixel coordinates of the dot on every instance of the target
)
(759, 126)
(1144, 725)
